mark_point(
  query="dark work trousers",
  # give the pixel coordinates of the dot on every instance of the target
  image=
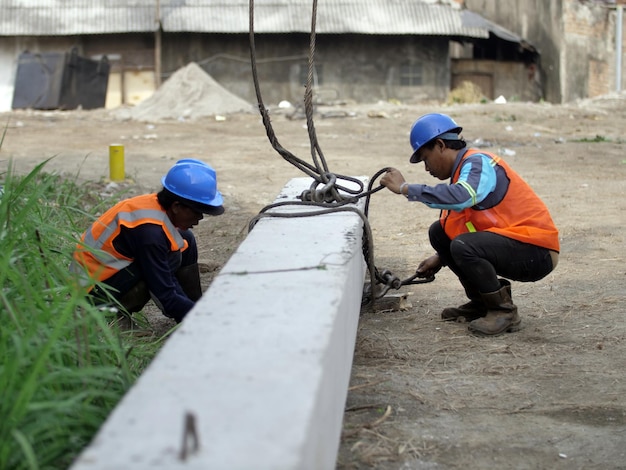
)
(124, 280)
(478, 258)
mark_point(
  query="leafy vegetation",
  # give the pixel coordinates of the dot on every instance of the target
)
(63, 367)
(596, 139)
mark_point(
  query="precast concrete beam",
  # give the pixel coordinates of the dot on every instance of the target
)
(256, 377)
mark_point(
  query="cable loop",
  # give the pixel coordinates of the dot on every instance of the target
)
(319, 170)
(328, 192)
(324, 191)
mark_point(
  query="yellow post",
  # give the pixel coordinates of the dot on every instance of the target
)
(116, 162)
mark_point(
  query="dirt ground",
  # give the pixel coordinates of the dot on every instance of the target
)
(424, 394)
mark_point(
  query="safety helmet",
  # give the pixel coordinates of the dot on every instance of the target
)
(196, 183)
(429, 126)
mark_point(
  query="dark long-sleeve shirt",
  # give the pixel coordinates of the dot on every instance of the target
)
(480, 184)
(148, 245)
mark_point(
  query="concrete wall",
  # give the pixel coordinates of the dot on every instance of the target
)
(589, 54)
(538, 21)
(351, 67)
(576, 40)
(513, 80)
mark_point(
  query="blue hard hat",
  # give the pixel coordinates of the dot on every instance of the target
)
(429, 126)
(195, 182)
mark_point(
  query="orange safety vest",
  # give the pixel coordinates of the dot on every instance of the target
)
(520, 215)
(96, 252)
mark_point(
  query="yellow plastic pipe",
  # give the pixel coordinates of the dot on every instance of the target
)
(116, 162)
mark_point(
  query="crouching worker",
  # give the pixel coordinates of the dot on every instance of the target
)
(143, 246)
(492, 226)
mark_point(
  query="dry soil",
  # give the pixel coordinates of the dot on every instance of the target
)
(424, 394)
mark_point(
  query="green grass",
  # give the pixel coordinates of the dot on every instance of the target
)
(599, 139)
(505, 118)
(63, 367)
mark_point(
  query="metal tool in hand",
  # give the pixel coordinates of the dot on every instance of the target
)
(387, 280)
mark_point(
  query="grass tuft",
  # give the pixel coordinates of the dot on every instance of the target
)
(63, 367)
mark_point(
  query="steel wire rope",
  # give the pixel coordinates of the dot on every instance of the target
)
(319, 172)
(368, 239)
(329, 191)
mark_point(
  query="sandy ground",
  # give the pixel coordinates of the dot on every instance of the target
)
(424, 394)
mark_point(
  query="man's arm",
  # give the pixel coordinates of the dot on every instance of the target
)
(149, 247)
(477, 179)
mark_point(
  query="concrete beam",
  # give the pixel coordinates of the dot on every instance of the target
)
(257, 375)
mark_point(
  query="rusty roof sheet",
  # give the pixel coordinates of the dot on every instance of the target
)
(387, 17)
(333, 17)
(75, 17)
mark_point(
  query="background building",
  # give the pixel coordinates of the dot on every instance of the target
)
(580, 42)
(366, 50)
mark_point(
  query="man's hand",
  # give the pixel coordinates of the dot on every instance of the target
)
(429, 267)
(392, 180)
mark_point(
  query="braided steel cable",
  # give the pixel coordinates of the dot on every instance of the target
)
(319, 170)
(330, 191)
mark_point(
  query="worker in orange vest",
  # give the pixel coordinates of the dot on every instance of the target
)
(143, 247)
(492, 225)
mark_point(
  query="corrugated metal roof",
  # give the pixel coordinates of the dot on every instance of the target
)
(74, 17)
(333, 16)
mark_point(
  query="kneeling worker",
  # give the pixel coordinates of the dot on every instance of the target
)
(144, 246)
(492, 225)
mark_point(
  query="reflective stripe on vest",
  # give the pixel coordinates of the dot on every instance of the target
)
(96, 251)
(520, 215)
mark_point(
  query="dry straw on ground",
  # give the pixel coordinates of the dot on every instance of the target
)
(466, 92)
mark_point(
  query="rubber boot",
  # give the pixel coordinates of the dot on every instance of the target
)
(468, 312)
(132, 302)
(189, 279)
(136, 298)
(501, 314)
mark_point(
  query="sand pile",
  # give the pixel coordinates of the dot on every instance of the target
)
(189, 93)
